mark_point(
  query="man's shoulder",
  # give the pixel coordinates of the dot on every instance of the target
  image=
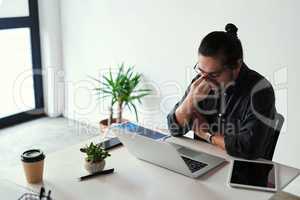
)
(255, 82)
(259, 88)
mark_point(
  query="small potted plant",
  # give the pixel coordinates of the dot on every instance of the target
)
(95, 158)
(122, 89)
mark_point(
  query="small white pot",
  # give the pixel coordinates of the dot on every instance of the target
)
(93, 167)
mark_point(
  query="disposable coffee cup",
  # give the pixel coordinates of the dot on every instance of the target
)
(33, 164)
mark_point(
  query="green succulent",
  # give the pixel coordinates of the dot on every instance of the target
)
(95, 153)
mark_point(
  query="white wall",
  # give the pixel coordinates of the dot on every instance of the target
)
(161, 39)
(51, 51)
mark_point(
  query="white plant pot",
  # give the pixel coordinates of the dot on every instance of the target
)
(93, 167)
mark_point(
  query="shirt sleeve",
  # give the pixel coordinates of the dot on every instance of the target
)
(174, 127)
(256, 126)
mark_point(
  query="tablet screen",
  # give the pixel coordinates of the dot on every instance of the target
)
(136, 129)
(255, 174)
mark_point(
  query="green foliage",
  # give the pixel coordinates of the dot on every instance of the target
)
(122, 88)
(94, 153)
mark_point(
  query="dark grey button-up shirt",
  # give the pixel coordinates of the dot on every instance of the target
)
(244, 113)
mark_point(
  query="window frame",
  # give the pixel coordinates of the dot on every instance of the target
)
(31, 22)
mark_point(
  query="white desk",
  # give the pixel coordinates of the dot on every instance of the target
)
(135, 179)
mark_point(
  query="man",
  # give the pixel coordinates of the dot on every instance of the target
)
(227, 104)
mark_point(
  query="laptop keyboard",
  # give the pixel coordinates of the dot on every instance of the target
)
(193, 165)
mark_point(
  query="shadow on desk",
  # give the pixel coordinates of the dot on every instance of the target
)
(213, 171)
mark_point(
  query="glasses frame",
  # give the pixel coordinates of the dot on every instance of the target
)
(212, 75)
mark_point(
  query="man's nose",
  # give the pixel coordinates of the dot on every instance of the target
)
(205, 75)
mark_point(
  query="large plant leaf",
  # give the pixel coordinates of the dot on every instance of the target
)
(122, 87)
(99, 81)
(135, 111)
(143, 90)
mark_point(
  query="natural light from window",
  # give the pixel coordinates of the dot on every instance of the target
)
(16, 82)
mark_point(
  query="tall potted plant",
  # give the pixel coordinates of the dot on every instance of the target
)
(122, 90)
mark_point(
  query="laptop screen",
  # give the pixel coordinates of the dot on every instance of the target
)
(136, 129)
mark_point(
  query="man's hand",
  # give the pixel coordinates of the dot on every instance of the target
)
(203, 134)
(218, 140)
(199, 90)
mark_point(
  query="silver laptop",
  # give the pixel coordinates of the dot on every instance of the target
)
(150, 146)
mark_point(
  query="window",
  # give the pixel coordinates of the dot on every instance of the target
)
(14, 8)
(20, 62)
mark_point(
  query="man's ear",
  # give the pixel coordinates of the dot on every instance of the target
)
(236, 71)
(237, 64)
(240, 62)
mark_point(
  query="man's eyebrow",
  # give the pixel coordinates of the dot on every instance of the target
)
(209, 72)
(200, 68)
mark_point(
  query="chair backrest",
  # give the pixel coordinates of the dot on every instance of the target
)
(279, 120)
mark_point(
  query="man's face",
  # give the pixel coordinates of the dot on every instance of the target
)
(215, 72)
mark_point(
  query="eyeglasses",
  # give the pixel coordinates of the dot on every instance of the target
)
(212, 75)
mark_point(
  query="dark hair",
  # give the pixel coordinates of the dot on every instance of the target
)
(224, 45)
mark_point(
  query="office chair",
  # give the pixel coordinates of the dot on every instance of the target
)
(279, 120)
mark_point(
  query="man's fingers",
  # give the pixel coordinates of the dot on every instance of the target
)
(202, 84)
(213, 84)
(206, 88)
(203, 88)
(200, 88)
(199, 80)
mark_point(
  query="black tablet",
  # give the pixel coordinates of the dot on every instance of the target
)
(258, 175)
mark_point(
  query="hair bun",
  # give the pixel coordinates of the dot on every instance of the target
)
(231, 28)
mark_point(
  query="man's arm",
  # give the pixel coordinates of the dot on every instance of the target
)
(249, 142)
(180, 119)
